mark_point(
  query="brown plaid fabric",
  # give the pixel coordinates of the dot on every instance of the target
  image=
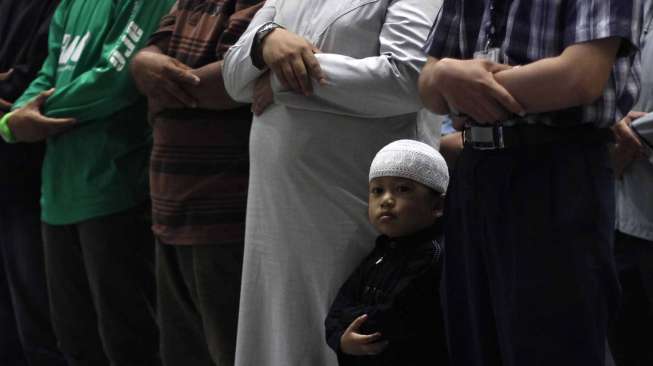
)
(199, 164)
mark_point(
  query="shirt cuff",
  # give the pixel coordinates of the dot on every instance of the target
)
(5, 132)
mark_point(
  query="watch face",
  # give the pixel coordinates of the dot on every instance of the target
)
(268, 27)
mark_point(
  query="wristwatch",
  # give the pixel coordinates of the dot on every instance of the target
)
(256, 53)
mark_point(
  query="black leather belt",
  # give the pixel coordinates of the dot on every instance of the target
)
(499, 137)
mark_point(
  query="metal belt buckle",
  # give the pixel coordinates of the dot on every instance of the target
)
(484, 137)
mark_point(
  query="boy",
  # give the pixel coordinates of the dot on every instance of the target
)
(388, 311)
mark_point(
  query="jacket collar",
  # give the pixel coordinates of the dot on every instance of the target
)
(405, 242)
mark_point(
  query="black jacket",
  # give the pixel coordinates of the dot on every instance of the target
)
(397, 286)
(24, 28)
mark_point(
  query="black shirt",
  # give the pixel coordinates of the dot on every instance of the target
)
(397, 286)
(24, 28)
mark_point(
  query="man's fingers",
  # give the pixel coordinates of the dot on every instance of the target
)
(289, 74)
(180, 94)
(56, 125)
(5, 75)
(313, 67)
(480, 110)
(180, 64)
(369, 338)
(301, 75)
(182, 76)
(507, 101)
(276, 70)
(4, 105)
(257, 106)
(633, 115)
(40, 99)
(494, 67)
(58, 122)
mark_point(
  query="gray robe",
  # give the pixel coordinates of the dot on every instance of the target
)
(307, 225)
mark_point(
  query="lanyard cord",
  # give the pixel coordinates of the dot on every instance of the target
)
(492, 26)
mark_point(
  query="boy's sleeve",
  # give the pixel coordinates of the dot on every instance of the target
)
(46, 76)
(411, 308)
(107, 87)
(344, 309)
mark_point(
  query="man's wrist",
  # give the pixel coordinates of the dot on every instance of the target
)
(256, 53)
(5, 131)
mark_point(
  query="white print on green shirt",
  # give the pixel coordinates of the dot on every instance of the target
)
(132, 35)
(71, 51)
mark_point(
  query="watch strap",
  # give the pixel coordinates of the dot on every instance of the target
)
(256, 53)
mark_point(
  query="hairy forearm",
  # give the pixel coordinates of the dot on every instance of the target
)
(577, 77)
(211, 92)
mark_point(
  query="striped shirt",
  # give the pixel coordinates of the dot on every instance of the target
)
(530, 30)
(199, 163)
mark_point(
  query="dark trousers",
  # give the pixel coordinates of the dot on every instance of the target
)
(631, 335)
(529, 277)
(101, 284)
(198, 293)
(26, 336)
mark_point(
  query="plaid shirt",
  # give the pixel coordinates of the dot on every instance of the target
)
(199, 165)
(530, 30)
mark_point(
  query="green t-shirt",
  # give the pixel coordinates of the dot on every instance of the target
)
(100, 166)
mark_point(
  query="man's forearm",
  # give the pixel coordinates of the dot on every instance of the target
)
(429, 94)
(211, 92)
(138, 66)
(577, 77)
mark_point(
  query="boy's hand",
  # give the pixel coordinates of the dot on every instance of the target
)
(354, 343)
(164, 79)
(28, 124)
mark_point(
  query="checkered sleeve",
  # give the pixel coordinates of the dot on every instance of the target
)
(161, 37)
(588, 20)
(244, 11)
(444, 38)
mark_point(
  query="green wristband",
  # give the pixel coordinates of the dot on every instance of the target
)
(5, 132)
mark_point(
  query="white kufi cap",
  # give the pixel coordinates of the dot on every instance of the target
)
(412, 160)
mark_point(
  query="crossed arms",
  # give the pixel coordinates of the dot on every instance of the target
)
(488, 92)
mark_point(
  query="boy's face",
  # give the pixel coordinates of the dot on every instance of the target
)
(400, 206)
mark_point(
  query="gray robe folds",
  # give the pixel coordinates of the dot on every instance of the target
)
(307, 225)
